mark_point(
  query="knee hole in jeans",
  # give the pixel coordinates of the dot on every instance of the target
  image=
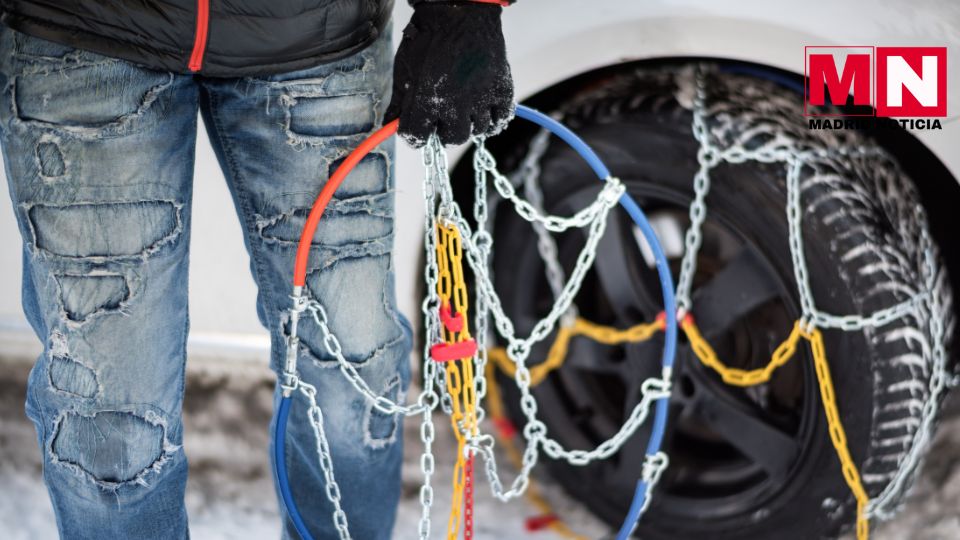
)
(111, 447)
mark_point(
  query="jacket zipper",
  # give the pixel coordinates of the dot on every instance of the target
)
(200, 39)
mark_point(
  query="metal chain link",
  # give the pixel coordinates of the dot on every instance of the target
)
(518, 349)
(545, 325)
(884, 504)
(850, 323)
(612, 190)
(781, 149)
(653, 389)
(332, 344)
(707, 157)
(441, 207)
(429, 310)
(484, 241)
(653, 467)
(326, 461)
(529, 173)
(795, 235)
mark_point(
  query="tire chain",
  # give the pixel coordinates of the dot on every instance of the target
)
(781, 149)
(440, 204)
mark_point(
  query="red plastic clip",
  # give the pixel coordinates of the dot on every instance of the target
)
(453, 323)
(445, 352)
(662, 319)
(539, 523)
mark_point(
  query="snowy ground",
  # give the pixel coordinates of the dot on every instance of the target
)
(230, 494)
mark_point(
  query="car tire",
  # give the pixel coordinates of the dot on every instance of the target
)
(861, 229)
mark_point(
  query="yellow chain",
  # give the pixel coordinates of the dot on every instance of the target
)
(444, 280)
(735, 376)
(837, 434)
(555, 358)
(783, 353)
(705, 353)
(581, 327)
(451, 285)
(455, 253)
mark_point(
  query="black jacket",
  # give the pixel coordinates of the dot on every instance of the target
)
(220, 38)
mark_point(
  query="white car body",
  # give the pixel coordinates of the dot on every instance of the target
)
(548, 41)
(552, 40)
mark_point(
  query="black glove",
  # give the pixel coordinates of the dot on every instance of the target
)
(451, 74)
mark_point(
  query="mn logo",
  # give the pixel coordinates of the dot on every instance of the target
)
(877, 81)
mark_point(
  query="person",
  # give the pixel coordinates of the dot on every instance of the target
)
(98, 124)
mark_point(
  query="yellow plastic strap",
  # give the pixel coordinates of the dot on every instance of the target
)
(581, 327)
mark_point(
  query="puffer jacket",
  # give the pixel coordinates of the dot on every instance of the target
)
(219, 38)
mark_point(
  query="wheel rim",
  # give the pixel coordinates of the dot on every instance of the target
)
(712, 475)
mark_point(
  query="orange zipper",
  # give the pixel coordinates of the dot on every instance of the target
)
(200, 39)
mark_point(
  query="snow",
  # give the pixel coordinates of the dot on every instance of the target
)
(230, 493)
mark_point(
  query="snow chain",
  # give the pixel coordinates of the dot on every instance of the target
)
(461, 386)
(783, 354)
(710, 156)
(581, 327)
(455, 378)
(456, 352)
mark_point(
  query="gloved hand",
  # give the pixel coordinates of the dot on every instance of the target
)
(451, 74)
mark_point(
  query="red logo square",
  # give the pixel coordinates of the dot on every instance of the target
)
(834, 73)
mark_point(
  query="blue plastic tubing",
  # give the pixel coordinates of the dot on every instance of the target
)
(669, 349)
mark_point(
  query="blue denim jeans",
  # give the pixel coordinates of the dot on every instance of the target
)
(99, 156)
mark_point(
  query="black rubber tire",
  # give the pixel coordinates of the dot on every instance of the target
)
(639, 123)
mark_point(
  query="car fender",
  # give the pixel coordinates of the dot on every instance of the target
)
(549, 42)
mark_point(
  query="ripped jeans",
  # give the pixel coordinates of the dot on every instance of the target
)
(99, 156)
